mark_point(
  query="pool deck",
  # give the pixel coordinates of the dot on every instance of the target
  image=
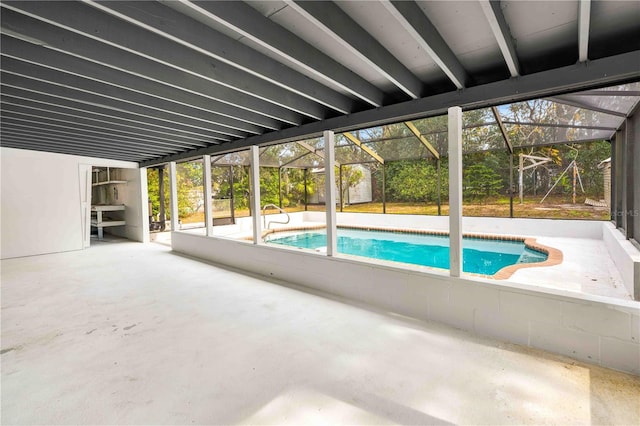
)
(586, 267)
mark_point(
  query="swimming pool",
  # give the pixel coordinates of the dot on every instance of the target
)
(480, 256)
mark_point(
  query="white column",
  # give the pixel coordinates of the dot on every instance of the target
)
(144, 202)
(173, 188)
(455, 191)
(208, 211)
(330, 192)
(255, 194)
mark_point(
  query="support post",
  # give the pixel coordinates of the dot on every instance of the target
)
(173, 200)
(330, 192)
(162, 216)
(511, 185)
(255, 194)
(208, 211)
(280, 187)
(575, 177)
(384, 188)
(455, 191)
(520, 171)
(439, 187)
(306, 193)
(145, 205)
(232, 201)
(341, 190)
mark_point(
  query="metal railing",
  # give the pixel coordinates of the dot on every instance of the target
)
(264, 217)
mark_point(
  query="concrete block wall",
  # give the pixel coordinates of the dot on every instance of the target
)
(594, 329)
(481, 225)
(625, 256)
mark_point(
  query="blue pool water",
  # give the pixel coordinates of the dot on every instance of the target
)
(479, 256)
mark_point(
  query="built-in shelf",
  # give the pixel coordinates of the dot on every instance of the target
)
(100, 222)
(109, 182)
(107, 174)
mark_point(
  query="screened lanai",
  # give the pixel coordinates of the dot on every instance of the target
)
(570, 119)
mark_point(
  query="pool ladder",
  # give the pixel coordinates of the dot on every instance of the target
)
(264, 217)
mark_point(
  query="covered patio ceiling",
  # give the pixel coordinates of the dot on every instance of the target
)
(162, 81)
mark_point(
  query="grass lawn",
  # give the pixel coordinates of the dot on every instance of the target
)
(553, 208)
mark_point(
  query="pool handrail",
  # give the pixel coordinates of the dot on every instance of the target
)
(264, 217)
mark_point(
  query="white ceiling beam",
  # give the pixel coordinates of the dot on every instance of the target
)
(175, 26)
(243, 91)
(335, 23)
(584, 21)
(501, 32)
(249, 23)
(416, 23)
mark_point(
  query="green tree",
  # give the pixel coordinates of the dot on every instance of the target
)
(480, 180)
(351, 177)
(189, 176)
(415, 180)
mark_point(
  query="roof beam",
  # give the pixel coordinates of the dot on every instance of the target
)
(365, 148)
(596, 73)
(195, 35)
(584, 20)
(73, 84)
(503, 130)
(416, 23)
(560, 125)
(43, 137)
(249, 23)
(561, 99)
(92, 23)
(336, 24)
(601, 92)
(422, 139)
(21, 53)
(8, 99)
(77, 129)
(296, 159)
(56, 95)
(242, 108)
(312, 150)
(502, 33)
(26, 130)
(18, 143)
(38, 111)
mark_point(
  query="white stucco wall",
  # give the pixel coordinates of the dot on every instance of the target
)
(40, 201)
(134, 196)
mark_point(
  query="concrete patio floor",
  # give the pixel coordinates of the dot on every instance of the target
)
(127, 333)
